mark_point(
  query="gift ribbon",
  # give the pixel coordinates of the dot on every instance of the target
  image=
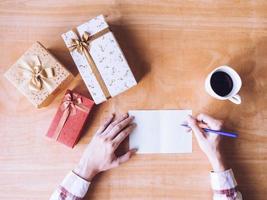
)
(39, 75)
(69, 106)
(82, 45)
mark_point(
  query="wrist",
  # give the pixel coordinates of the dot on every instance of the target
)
(87, 173)
(217, 162)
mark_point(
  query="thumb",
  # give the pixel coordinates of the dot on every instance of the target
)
(124, 158)
(192, 122)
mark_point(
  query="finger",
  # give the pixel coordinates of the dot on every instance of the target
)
(119, 127)
(188, 130)
(122, 135)
(185, 122)
(210, 121)
(124, 158)
(202, 125)
(105, 125)
(192, 122)
(114, 123)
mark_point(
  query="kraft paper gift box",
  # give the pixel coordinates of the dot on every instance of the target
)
(38, 75)
(99, 59)
(70, 118)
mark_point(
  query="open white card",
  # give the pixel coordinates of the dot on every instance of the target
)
(160, 131)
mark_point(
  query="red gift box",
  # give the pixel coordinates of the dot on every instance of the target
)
(70, 118)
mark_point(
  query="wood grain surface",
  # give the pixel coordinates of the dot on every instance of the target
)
(171, 47)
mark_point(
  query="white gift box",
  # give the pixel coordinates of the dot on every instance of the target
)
(106, 72)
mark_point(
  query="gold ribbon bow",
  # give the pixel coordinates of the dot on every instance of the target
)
(38, 74)
(69, 106)
(81, 45)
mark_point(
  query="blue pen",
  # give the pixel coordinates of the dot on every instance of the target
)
(228, 134)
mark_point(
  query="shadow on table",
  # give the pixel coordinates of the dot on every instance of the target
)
(93, 194)
(243, 153)
(137, 62)
(64, 57)
(131, 46)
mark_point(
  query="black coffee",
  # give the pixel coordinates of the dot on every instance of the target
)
(221, 83)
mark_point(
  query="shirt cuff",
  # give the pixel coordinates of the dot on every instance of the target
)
(75, 185)
(223, 180)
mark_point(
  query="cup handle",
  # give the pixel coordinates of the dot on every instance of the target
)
(236, 99)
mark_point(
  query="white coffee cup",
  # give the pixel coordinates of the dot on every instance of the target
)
(237, 83)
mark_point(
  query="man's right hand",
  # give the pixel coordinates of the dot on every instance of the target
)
(208, 142)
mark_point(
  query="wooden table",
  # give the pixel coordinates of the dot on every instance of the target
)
(171, 47)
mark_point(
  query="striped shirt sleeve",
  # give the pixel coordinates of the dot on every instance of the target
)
(224, 186)
(72, 187)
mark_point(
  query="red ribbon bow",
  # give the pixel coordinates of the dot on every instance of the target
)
(69, 106)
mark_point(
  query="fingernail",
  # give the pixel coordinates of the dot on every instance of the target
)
(188, 130)
(125, 115)
(134, 125)
(189, 116)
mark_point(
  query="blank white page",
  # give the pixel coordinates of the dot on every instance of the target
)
(174, 137)
(146, 135)
(160, 131)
